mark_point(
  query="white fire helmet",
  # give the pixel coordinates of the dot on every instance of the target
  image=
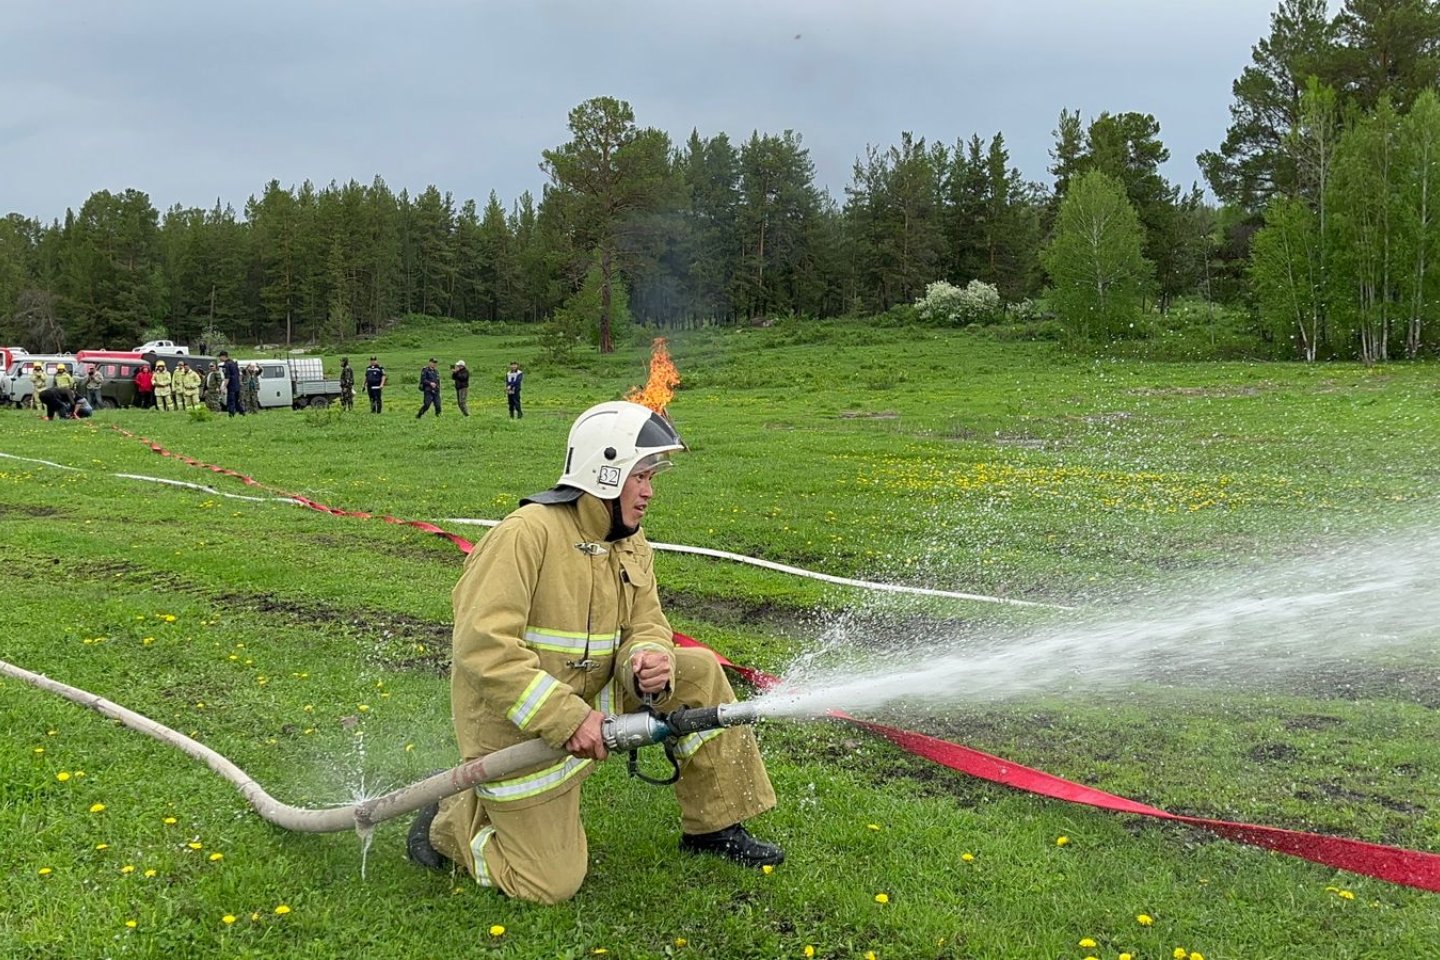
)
(612, 440)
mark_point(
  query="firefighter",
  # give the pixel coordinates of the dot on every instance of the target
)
(177, 385)
(163, 381)
(557, 621)
(39, 381)
(191, 389)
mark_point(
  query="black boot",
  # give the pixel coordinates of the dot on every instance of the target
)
(417, 843)
(733, 843)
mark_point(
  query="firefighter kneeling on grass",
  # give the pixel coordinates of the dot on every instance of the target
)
(558, 622)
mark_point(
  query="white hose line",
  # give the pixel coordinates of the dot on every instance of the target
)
(360, 816)
(813, 575)
(671, 547)
(204, 489)
(57, 466)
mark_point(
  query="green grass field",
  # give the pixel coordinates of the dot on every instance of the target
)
(311, 650)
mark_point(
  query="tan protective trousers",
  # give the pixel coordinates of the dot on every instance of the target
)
(536, 850)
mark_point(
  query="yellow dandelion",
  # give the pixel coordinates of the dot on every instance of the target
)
(1194, 955)
(767, 869)
(169, 618)
(150, 872)
(1062, 841)
(281, 910)
(1346, 895)
(1087, 943)
(45, 871)
(195, 845)
(62, 776)
(128, 868)
(39, 749)
(599, 952)
(869, 955)
(872, 826)
(1125, 956)
(409, 747)
(255, 916)
(967, 857)
(147, 641)
(681, 942)
(364, 708)
(216, 856)
(102, 846)
(497, 931)
(131, 924)
(1179, 953)
(170, 821)
(228, 919)
(882, 898)
(97, 808)
(809, 950)
(1144, 919)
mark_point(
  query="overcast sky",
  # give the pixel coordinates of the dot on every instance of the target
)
(204, 99)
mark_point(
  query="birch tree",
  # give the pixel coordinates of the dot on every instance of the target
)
(1094, 259)
(1420, 213)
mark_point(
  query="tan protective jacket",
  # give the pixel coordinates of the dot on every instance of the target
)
(540, 596)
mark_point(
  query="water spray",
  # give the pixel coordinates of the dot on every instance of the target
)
(620, 732)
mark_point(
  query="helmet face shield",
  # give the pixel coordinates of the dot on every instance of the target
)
(653, 464)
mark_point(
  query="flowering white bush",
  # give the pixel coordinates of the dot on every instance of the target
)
(946, 303)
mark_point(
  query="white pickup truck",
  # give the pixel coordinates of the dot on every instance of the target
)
(294, 383)
(162, 346)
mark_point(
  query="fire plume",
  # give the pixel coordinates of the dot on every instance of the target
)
(659, 390)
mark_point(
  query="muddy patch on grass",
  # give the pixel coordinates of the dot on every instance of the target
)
(396, 640)
(36, 512)
(423, 550)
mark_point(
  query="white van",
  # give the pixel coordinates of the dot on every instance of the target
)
(15, 383)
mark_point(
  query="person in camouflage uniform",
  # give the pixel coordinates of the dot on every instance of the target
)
(250, 387)
(347, 384)
(215, 388)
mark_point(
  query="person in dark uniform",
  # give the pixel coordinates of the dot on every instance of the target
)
(429, 388)
(232, 384)
(514, 377)
(375, 384)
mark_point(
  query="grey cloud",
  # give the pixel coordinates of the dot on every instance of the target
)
(190, 102)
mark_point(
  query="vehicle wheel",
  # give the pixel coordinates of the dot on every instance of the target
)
(109, 404)
(319, 403)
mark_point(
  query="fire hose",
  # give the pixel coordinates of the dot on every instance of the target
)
(620, 732)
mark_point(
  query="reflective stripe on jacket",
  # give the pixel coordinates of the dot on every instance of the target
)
(540, 596)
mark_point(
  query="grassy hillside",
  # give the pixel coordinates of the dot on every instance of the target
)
(311, 649)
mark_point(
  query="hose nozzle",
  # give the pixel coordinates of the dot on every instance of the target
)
(630, 730)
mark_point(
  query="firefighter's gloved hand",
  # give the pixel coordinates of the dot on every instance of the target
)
(651, 670)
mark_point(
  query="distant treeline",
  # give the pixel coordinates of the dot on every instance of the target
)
(1328, 234)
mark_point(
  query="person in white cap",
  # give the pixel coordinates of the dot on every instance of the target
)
(461, 375)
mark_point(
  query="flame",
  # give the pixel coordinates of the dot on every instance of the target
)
(659, 390)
